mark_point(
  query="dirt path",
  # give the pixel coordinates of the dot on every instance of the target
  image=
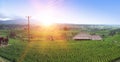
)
(117, 60)
(3, 60)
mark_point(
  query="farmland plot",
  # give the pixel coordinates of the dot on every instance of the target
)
(61, 51)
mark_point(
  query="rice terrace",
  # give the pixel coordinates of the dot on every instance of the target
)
(62, 47)
(59, 31)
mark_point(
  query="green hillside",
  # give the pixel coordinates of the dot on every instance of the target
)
(65, 50)
(61, 51)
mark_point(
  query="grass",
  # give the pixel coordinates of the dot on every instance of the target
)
(61, 51)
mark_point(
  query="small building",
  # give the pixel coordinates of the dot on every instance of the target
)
(4, 41)
(82, 36)
(86, 36)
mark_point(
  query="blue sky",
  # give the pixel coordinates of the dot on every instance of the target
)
(64, 11)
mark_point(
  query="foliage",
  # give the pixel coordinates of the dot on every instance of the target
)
(61, 51)
(42, 50)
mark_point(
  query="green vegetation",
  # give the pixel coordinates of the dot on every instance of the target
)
(62, 50)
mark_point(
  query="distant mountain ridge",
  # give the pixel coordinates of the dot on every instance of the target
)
(11, 20)
(16, 21)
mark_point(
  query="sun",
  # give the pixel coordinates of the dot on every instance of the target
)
(47, 18)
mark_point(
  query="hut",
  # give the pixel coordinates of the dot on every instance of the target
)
(86, 36)
(82, 36)
(4, 41)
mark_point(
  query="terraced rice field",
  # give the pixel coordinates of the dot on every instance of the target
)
(61, 51)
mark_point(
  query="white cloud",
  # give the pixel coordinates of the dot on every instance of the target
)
(5, 19)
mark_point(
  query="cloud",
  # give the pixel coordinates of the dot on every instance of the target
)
(5, 19)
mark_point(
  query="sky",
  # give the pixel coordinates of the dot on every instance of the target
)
(63, 11)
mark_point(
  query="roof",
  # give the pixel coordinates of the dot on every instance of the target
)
(86, 36)
(82, 36)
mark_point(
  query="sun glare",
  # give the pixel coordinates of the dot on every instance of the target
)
(46, 17)
(47, 23)
(48, 14)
